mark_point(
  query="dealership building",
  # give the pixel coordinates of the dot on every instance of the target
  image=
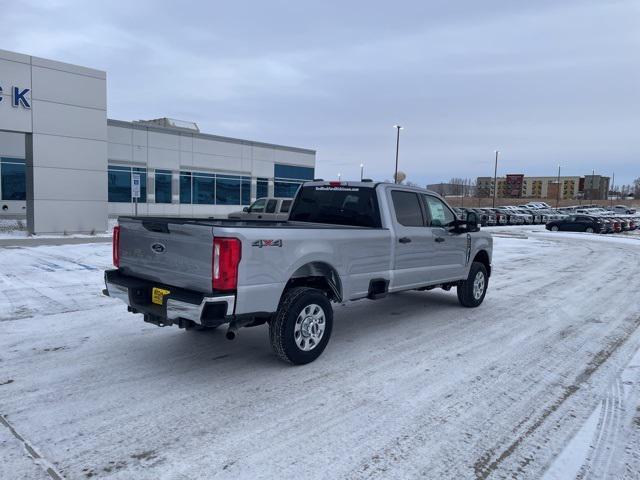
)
(65, 167)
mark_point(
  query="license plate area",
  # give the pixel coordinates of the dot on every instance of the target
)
(158, 294)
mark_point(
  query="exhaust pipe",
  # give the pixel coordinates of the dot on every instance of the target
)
(232, 331)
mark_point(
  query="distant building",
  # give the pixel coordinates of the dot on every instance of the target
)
(512, 186)
(593, 187)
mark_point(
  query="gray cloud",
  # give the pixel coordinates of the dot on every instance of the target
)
(545, 82)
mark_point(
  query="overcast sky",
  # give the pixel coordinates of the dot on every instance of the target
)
(544, 82)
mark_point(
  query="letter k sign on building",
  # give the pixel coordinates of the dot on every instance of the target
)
(18, 97)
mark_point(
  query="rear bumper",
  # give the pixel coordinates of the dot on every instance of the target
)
(180, 304)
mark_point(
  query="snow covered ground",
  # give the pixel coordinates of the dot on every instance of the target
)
(13, 229)
(543, 380)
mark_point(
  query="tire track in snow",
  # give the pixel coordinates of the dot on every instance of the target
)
(491, 460)
(591, 452)
(32, 452)
(558, 350)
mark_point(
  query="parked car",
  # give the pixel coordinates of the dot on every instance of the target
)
(491, 216)
(501, 218)
(268, 208)
(576, 223)
(512, 217)
(623, 209)
(343, 241)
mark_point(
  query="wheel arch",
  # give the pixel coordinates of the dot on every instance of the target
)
(483, 257)
(320, 275)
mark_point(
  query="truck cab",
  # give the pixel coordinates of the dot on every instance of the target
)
(266, 208)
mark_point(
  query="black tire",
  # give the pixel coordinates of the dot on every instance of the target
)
(554, 228)
(589, 230)
(282, 327)
(465, 288)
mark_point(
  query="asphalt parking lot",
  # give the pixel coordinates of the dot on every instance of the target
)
(543, 380)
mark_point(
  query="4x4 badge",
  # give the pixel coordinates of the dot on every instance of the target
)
(267, 243)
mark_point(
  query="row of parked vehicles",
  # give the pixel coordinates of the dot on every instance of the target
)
(512, 215)
(594, 219)
(587, 218)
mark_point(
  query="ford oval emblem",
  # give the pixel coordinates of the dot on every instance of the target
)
(158, 248)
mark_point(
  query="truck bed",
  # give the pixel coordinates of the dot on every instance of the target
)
(225, 222)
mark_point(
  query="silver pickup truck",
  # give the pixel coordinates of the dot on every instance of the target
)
(343, 241)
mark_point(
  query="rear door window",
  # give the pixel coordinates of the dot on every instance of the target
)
(271, 206)
(286, 205)
(407, 208)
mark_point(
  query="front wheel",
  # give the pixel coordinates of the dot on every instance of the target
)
(589, 230)
(300, 329)
(554, 228)
(471, 292)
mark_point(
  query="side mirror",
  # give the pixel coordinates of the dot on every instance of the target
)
(245, 209)
(473, 222)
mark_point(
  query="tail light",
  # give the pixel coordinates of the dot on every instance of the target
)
(116, 246)
(226, 257)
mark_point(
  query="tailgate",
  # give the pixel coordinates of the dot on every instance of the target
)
(168, 251)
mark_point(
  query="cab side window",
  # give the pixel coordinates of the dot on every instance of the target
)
(407, 208)
(286, 206)
(440, 214)
(271, 206)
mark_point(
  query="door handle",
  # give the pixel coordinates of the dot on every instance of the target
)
(439, 239)
(404, 240)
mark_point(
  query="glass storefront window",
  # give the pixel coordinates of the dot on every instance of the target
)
(119, 184)
(163, 186)
(185, 187)
(13, 178)
(262, 188)
(227, 190)
(204, 189)
(246, 190)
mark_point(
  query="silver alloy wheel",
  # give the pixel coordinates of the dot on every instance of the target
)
(589, 230)
(554, 228)
(478, 286)
(309, 328)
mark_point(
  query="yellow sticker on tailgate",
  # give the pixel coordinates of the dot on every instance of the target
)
(158, 294)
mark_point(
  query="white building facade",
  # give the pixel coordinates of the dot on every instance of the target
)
(66, 167)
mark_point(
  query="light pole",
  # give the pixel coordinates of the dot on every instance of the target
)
(613, 182)
(339, 177)
(398, 128)
(558, 195)
(495, 180)
(361, 171)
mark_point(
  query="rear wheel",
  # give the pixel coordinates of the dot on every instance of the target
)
(300, 329)
(471, 292)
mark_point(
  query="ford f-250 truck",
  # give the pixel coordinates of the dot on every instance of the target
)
(343, 241)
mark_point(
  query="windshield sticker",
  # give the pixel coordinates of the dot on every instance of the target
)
(338, 189)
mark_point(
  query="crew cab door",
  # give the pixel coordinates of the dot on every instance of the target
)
(413, 252)
(449, 260)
